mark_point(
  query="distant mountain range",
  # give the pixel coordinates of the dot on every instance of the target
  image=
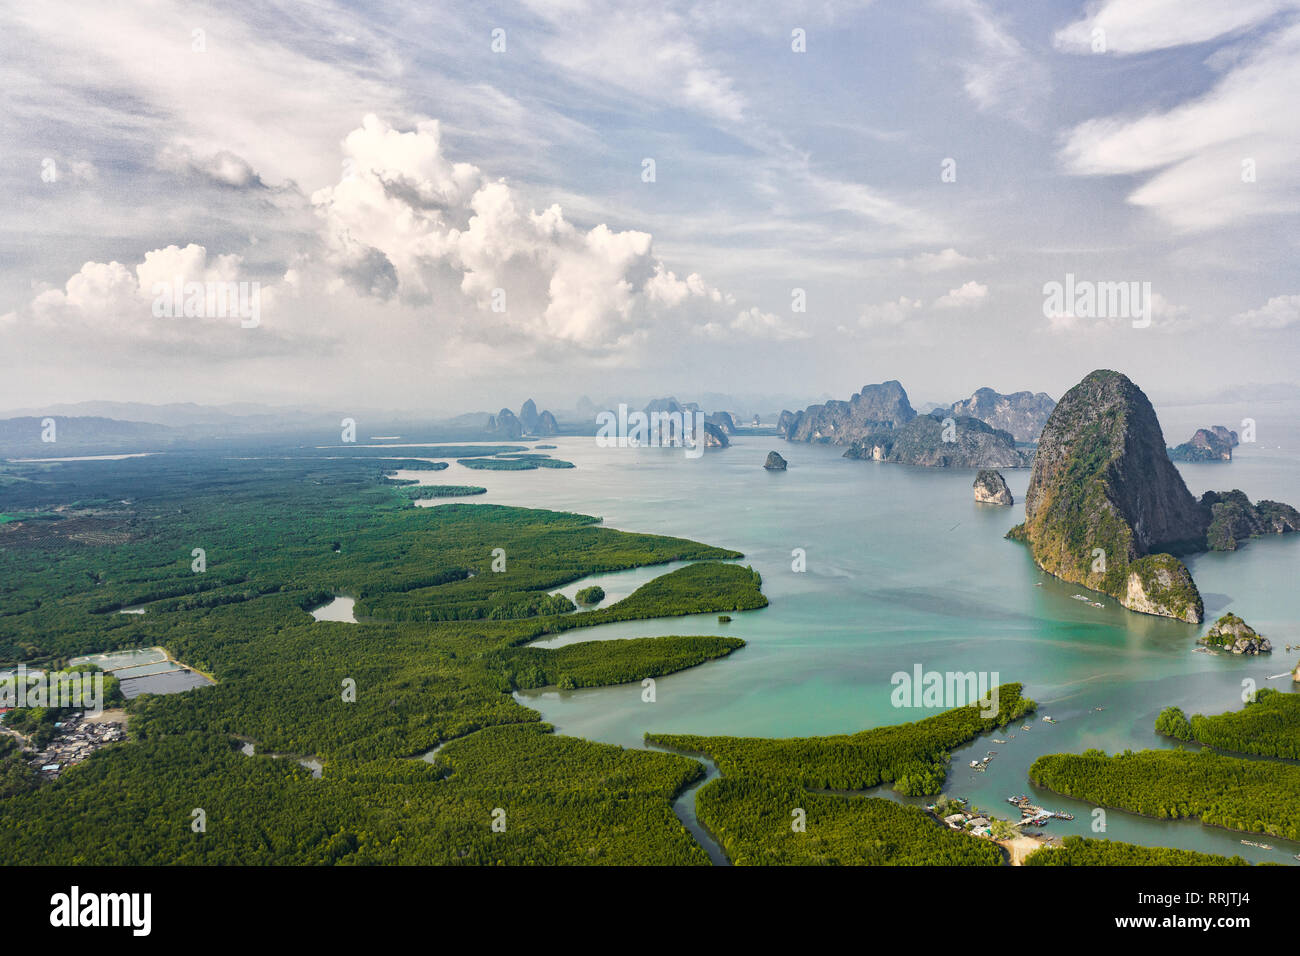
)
(880, 424)
(55, 436)
(244, 415)
(939, 441)
(96, 427)
(886, 407)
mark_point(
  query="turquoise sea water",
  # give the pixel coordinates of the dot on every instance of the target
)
(905, 569)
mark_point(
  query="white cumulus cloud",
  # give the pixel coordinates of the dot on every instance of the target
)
(1278, 312)
(890, 313)
(968, 294)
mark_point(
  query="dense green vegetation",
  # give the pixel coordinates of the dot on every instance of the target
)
(1080, 851)
(31, 516)
(353, 451)
(268, 529)
(1219, 536)
(415, 464)
(34, 723)
(444, 644)
(752, 819)
(565, 801)
(912, 756)
(514, 463)
(694, 589)
(497, 464)
(1268, 726)
(600, 663)
(1172, 722)
(592, 595)
(16, 775)
(424, 492)
(1233, 518)
(1253, 795)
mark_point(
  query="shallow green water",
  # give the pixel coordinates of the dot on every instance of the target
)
(905, 569)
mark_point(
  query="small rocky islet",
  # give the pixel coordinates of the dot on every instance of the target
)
(1206, 444)
(991, 488)
(1231, 633)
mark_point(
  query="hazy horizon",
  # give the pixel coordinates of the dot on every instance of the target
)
(1277, 394)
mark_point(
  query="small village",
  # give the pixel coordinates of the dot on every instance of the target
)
(76, 738)
(975, 822)
(972, 821)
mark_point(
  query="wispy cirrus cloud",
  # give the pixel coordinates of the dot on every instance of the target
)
(1219, 159)
(1000, 74)
(1124, 26)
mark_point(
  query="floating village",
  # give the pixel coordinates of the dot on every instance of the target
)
(976, 823)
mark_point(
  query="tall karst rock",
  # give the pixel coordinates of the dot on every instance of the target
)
(874, 409)
(935, 442)
(528, 416)
(505, 424)
(547, 425)
(1023, 414)
(1106, 508)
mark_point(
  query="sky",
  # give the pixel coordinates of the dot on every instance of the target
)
(454, 206)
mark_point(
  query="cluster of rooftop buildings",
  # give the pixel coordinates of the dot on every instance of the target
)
(76, 739)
